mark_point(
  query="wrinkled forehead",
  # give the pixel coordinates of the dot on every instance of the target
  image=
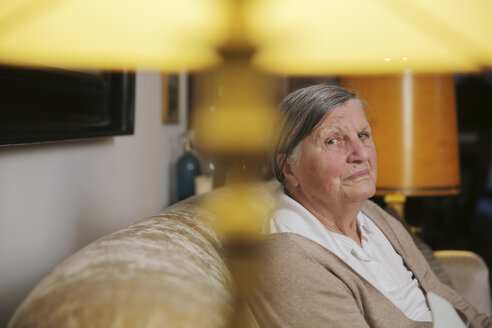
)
(348, 114)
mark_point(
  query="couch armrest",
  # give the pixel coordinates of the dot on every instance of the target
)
(469, 275)
(163, 271)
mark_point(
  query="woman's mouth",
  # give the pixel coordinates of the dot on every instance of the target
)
(357, 175)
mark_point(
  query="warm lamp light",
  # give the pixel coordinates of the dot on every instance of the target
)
(235, 112)
(113, 34)
(318, 37)
(413, 118)
(308, 37)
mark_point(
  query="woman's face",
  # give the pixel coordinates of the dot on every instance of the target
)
(337, 161)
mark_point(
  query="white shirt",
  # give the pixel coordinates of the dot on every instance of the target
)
(376, 261)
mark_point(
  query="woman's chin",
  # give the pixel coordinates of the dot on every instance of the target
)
(361, 194)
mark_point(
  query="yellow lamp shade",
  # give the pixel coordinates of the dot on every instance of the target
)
(290, 36)
(313, 37)
(112, 34)
(413, 119)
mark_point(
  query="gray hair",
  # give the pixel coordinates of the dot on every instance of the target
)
(301, 111)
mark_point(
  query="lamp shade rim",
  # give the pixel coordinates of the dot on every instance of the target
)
(420, 191)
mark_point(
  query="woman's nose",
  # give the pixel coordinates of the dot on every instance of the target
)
(358, 152)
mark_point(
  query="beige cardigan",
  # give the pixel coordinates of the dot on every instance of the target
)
(302, 284)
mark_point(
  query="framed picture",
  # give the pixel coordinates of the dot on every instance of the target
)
(175, 97)
(39, 105)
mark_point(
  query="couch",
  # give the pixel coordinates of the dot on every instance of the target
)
(169, 270)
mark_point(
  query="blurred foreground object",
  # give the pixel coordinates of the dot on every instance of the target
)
(235, 112)
(112, 34)
(234, 123)
(316, 37)
(309, 37)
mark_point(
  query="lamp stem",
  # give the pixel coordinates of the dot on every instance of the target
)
(397, 201)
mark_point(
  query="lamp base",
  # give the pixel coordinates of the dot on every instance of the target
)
(397, 202)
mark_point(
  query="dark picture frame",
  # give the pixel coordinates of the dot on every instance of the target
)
(41, 105)
(170, 98)
(176, 92)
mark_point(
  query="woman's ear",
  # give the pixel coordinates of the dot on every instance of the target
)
(288, 170)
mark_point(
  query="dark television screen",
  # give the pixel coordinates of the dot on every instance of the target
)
(38, 105)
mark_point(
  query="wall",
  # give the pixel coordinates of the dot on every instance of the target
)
(57, 197)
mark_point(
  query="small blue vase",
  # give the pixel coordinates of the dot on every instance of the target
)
(187, 168)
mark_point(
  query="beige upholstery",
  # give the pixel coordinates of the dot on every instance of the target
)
(469, 276)
(164, 271)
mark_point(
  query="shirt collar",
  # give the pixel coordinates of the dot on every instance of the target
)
(290, 216)
(363, 224)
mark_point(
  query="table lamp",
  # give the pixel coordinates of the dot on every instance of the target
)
(413, 119)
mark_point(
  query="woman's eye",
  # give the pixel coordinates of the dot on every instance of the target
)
(363, 135)
(331, 141)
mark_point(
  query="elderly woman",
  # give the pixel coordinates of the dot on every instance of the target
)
(336, 259)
